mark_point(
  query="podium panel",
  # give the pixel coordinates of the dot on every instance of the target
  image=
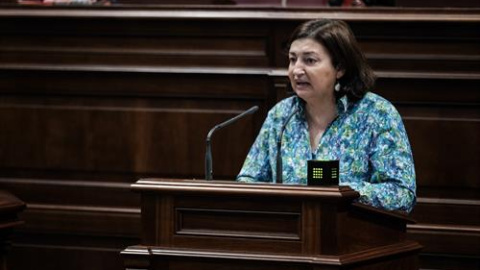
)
(189, 224)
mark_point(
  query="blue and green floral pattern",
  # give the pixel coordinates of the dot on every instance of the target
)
(368, 137)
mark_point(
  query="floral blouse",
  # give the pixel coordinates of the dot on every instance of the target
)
(368, 137)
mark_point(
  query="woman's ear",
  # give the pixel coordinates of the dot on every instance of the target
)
(340, 73)
(340, 70)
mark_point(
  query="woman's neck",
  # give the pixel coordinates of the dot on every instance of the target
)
(319, 115)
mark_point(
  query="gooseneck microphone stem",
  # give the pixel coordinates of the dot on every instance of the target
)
(279, 179)
(208, 152)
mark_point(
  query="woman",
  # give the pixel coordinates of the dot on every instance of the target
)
(335, 117)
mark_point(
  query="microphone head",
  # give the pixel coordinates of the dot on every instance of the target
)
(252, 110)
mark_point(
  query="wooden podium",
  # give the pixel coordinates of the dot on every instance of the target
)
(190, 224)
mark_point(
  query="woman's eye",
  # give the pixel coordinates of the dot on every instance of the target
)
(310, 60)
(292, 59)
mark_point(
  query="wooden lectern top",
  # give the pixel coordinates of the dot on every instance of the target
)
(216, 187)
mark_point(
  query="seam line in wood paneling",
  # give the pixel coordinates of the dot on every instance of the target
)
(444, 228)
(427, 75)
(219, 233)
(83, 208)
(444, 119)
(370, 14)
(138, 69)
(188, 52)
(427, 57)
(61, 182)
(81, 248)
(116, 109)
(449, 201)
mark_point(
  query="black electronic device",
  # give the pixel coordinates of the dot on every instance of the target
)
(323, 172)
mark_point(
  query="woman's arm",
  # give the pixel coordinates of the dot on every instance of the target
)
(392, 183)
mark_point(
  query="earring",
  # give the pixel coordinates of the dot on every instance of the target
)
(337, 86)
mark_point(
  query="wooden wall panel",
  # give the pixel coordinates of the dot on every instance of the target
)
(118, 133)
(91, 99)
(76, 252)
(450, 159)
(98, 41)
(443, 128)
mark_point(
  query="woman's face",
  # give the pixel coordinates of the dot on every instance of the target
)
(310, 71)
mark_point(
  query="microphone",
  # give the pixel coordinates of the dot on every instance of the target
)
(208, 153)
(279, 179)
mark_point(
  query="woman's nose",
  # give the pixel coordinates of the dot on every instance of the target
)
(298, 71)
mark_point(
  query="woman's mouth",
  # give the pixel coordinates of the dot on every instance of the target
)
(301, 84)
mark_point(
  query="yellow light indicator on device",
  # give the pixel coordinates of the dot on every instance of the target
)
(317, 173)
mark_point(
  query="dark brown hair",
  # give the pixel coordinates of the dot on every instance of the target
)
(337, 37)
